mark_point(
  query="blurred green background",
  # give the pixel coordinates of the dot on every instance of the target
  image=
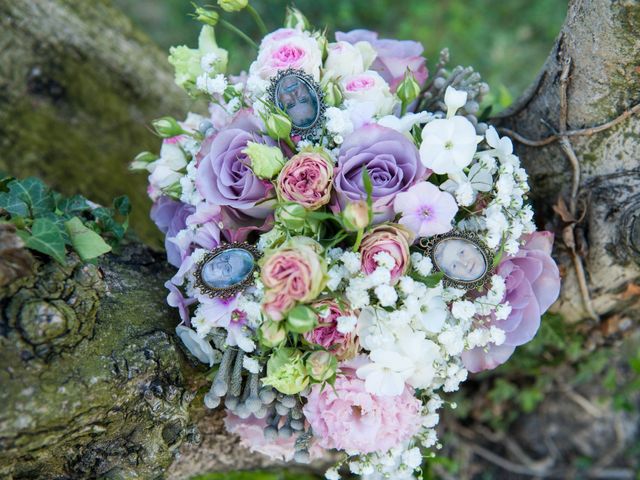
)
(506, 41)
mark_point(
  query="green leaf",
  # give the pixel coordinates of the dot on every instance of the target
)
(13, 204)
(32, 193)
(368, 186)
(73, 205)
(122, 205)
(46, 238)
(430, 280)
(85, 241)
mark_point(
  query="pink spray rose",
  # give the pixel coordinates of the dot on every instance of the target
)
(306, 179)
(348, 417)
(389, 238)
(532, 285)
(295, 272)
(251, 433)
(287, 48)
(326, 334)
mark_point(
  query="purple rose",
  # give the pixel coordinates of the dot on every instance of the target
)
(532, 285)
(224, 177)
(171, 217)
(393, 164)
(394, 56)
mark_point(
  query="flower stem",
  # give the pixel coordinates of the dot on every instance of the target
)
(289, 142)
(238, 32)
(359, 236)
(258, 19)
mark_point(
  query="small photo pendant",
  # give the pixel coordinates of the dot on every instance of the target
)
(301, 98)
(227, 270)
(464, 260)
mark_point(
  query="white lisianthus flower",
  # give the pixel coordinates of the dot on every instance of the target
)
(369, 87)
(344, 59)
(434, 315)
(448, 145)
(454, 100)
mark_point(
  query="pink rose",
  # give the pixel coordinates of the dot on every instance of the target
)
(389, 238)
(287, 48)
(295, 272)
(326, 334)
(532, 285)
(347, 417)
(251, 433)
(306, 179)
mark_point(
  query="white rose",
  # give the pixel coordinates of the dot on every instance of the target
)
(345, 59)
(369, 87)
(287, 48)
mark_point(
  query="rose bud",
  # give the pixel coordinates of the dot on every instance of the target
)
(356, 216)
(266, 161)
(272, 334)
(301, 319)
(167, 127)
(292, 216)
(208, 17)
(332, 94)
(295, 19)
(321, 366)
(231, 6)
(409, 89)
(278, 126)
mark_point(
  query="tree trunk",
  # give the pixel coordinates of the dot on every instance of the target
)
(94, 383)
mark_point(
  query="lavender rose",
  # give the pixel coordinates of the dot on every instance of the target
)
(532, 285)
(224, 176)
(170, 216)
(393, 164)
(394, 56)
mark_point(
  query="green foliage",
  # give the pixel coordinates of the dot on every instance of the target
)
(49, 223)
(507, 42)
(256, 475)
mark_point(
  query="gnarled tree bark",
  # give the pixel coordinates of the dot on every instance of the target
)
(94, 383)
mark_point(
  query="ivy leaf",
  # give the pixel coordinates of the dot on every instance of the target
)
(73, 205)
(122, 205)
(85, 241)
(46, 237)
(107, 224)
(28, 197)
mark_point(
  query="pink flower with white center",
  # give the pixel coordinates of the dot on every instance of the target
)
(287, 48)
(425, 210)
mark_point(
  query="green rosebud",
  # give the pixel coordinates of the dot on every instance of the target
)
(356, 216)
(301, 319)
(208, 17)
(142, 161)
(295, 19)
(292, 216)
(278, 126)
(286, 372)
(321, 366)
(231, 6)
(333, 94)
(271, 334)
(266, 161)
(409, 88)
(167, 127)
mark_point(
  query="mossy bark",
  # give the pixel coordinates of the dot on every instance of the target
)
(94, 383)
(79, 87)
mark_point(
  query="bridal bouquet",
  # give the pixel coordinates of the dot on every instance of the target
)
(350, 239)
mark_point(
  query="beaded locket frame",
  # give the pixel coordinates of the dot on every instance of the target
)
(315, 129)
(429, 246)
(226, 292)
